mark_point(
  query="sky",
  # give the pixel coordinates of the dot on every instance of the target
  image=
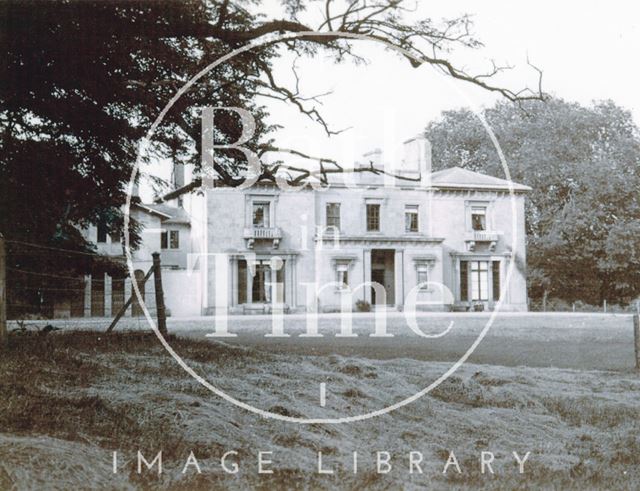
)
(587, 51)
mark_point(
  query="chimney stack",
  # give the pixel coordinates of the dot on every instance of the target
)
(416, 160)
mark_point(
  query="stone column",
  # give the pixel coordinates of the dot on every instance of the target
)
(87, 296)
(398, 276)
(128, 291)
(367, 274)
(108, 295)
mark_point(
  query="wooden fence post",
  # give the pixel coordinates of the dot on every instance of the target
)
(636, 334)
(3, 293)
(126, 305)
(161, 312)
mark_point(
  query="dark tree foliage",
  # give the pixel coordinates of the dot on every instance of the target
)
(82, 81)
(583, 215)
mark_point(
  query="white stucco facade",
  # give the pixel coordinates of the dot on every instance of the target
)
(431, 241)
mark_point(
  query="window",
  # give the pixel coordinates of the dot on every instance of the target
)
(102, 231)
(479, 280)
(422, 277)
(261, 215)
(260, 292)
(164, 239)
(174, 239)
(411, 218)
(495, 272)
(373, 218)
(115, 237)
(478, 218)
(342, 271)
(333, 215)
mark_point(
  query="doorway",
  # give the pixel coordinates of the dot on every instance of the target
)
(383, 272)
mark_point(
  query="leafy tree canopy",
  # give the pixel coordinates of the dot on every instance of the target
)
(583, 163)
(83, 80)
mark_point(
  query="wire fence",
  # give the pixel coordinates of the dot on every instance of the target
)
(36, 291)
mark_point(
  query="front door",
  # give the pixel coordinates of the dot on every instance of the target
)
(377, 276)
(383, 272)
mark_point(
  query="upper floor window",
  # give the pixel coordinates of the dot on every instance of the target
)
(411, 218)
(333, 215)
(102, 231)
(478, 218)
(261, 215)
(373, 218)
(174, 239)
(170, 239)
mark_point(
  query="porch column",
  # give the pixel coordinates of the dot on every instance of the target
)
(128, 290)
(367, 274)
(87, 296)
(250, 282)
(234, 281)
(398, 275)
(293, 297)
(457, 297)
(108, 294)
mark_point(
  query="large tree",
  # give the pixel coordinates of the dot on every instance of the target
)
(83, 80)
(583, 163)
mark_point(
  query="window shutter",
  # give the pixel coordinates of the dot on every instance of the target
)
(464, 281)
(495, 270)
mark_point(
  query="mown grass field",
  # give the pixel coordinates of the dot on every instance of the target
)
(70, 399)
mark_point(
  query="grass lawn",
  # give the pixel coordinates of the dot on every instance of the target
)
(70, 399)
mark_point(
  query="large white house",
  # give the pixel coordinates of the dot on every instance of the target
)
(435, 241)
(410, 238)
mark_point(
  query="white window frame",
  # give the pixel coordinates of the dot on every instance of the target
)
(486, 207)
(266, 217)
(476, 276)
(169, 240)
(331, 226)
(251, 199)
(412, 210)
(342, 275)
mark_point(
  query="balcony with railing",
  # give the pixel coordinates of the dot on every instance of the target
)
(251, 234)
(482, 236)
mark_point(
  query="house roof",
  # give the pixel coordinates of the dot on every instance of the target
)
(173, 214)
(151, 210)
(459, 178)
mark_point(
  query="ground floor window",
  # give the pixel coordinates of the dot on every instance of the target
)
(117, 293)
(97, 295)
(257, 287)
(479, 280)
(422, 277)
(260, 292)
(342, 273)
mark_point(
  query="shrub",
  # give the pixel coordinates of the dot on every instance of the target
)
(363, 306)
